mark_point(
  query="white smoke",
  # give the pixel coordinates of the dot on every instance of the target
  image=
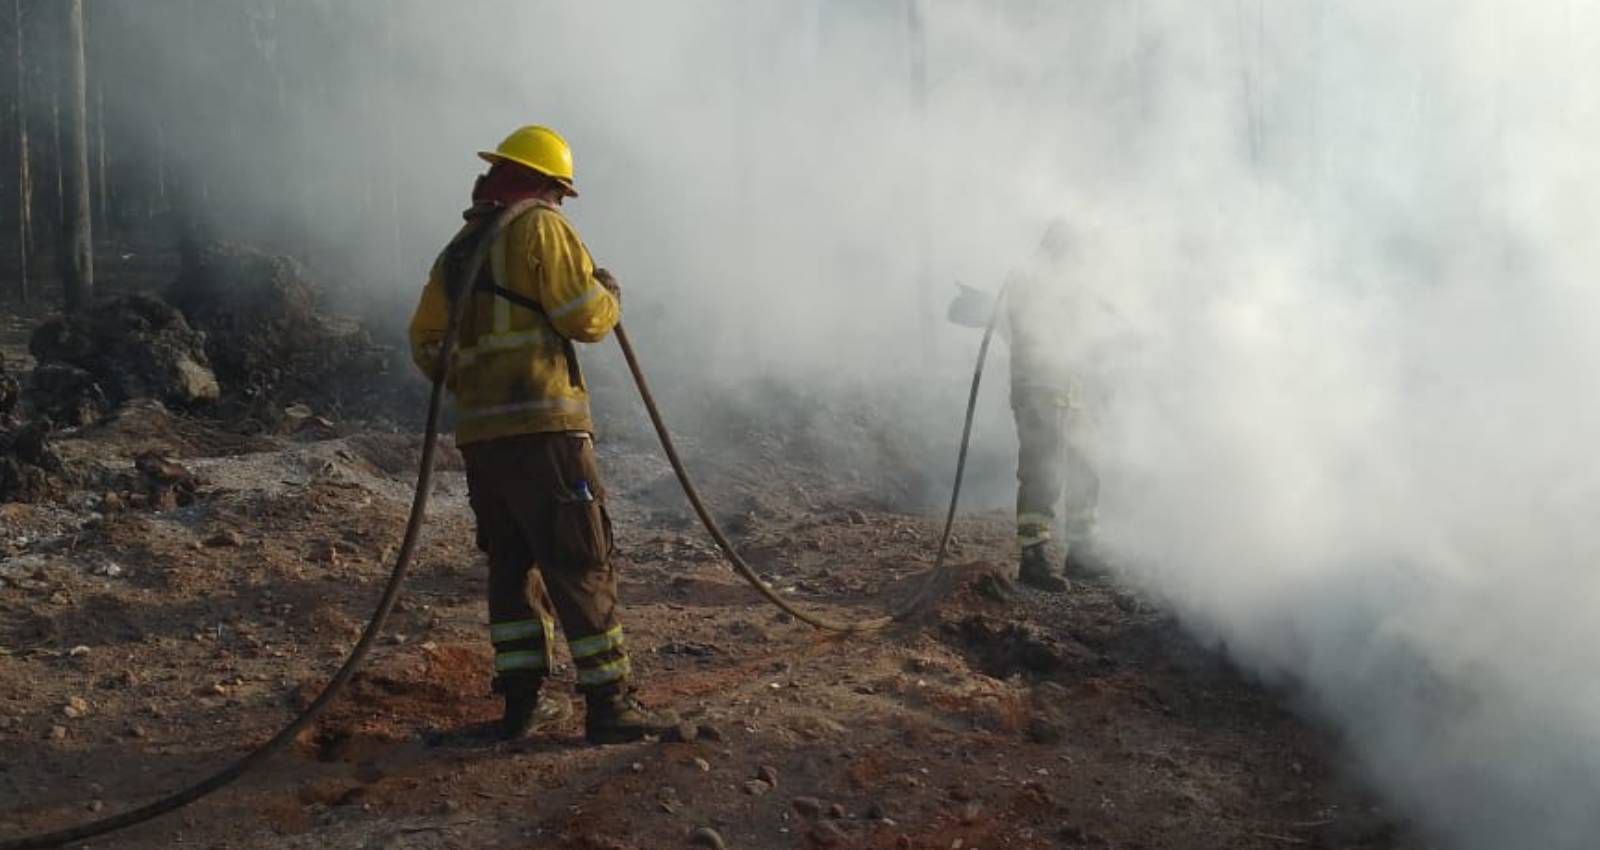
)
(1345, 247)
(1350, 445)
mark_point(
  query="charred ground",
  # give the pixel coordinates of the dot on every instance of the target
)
(182, 576)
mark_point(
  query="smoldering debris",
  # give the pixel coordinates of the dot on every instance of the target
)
(30, 470)
(274, 348)
(29, 467)
(67, 395)
(240, 341)
(10, 392)
(163, 483)
(131, 346)
(239, 337)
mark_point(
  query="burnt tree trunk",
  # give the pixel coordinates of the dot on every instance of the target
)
(917, 53)
(52, 74)
(102, 181)
(77, 258)
(392, 172)
(19, 109)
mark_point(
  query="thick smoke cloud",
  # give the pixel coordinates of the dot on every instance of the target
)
(1342, 246)
(1350, 445)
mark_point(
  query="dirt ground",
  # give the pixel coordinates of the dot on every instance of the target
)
(141, 648)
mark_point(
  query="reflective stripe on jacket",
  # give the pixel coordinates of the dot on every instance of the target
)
(510, 374)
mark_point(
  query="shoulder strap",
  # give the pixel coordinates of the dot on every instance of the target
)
(516, 298)
(480, 220)
(484, 221)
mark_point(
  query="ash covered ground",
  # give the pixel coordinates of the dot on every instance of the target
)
(183, 563)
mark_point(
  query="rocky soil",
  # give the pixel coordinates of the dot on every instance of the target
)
(179, 599)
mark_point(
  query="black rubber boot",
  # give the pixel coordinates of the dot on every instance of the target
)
(1084, 564)
(1037, 572)
(528, 710)
(615, 717)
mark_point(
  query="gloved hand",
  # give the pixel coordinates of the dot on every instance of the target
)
(971, 308)
(609, 281)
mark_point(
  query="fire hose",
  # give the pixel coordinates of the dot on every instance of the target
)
(929, 588)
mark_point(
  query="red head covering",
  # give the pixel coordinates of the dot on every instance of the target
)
(506, 183)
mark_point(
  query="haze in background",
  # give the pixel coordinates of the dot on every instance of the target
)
(1343, 249)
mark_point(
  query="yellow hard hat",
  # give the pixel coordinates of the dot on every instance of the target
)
(539, 148)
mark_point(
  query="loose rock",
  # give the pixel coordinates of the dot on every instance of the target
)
(756, 788)
(705, 836)
(167, 484)
(708, 732)
(229, 539)
(807, 807)
(667, 798)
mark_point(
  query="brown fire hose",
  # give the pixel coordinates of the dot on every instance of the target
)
(936, 580)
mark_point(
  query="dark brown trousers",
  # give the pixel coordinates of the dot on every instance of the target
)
(542, 520)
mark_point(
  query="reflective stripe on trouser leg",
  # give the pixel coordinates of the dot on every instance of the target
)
(601, 659)
(1033, 529)
(522, 645)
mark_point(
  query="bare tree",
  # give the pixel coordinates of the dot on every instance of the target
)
(52, 75)
(102, 177)
(1250, 75)
(392, 106)
(19, 110)
(917, 89)
(77, 257)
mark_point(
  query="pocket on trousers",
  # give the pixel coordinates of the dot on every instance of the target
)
(583, 531)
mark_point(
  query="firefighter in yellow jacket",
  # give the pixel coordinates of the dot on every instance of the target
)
(524, 428)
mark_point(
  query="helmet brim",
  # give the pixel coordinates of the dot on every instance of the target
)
(566, 185)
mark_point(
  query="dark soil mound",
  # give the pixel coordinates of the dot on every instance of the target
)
(132, 346)
(10, 392)
(29, 469)
(270, 345)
